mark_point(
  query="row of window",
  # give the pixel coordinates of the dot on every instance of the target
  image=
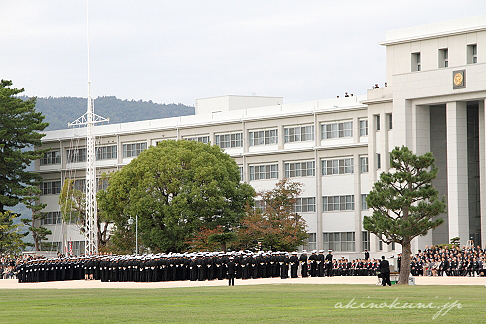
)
(306, 169)
(102, 153)
(339, 241)
(54, 187)
(230, 140)
(342, 241)
(443, 55)
(329, 203)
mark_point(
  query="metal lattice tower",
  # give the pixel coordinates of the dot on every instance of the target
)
(89, 119)
(91, 222)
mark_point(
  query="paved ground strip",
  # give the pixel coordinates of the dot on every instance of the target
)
(369, 280)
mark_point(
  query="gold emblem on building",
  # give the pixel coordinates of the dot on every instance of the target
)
(458, 79)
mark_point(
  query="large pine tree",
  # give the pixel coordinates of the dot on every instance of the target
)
(404, 203)
(20, 127)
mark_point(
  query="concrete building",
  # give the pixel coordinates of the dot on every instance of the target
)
(433, 101)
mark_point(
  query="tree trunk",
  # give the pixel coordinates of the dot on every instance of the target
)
(405, 263)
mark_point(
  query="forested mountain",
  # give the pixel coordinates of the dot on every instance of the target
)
(60, 111)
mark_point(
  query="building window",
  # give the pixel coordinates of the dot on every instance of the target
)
(378, 160)
(378, 122)
(260, 206)
(416, 66)
(78, 247)
(263, 137)
(472, 54)
(106, 152)
(363, 127)
(337, 130)
(380, 245)
(101, 184)
(311, 241)
(263, 172)
(305, 205)
(80, 184)
(443, 58)
(337, 203)
(203, 139)
(300, 169)
(242, 174)
(365, 239)
(364, 205)
(341, 241)
(53, 157)
(50, 187)
(390, 121)
(338, 166)
(76, 155)
(299, 134)
(134, 149)
(52, 218)
(363, 164)
(229, 140)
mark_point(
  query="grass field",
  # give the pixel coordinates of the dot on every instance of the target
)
(248, 304)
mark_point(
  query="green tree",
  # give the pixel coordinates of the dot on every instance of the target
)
(175, 188)
(276, 226)
(31, 201)
(10, 235)
(404, 203)
(20, 127)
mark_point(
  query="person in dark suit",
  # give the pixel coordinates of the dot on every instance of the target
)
(385, 271)
(329, 263)
(231, 271)
(303, 264)
(366, 255)
(399, 261)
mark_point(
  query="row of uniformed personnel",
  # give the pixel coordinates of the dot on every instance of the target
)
(200, 266)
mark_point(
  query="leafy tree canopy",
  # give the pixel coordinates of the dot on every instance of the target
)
(175, 188)
(276, 226)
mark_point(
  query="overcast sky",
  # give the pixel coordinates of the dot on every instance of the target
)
(178, 51)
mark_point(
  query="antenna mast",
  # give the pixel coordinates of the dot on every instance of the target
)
(89, 119)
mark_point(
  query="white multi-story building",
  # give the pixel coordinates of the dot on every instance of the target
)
(434, 101)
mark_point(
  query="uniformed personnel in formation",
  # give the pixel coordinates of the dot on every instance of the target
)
(247, 265)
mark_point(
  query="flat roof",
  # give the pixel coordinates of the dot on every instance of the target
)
(441, 29)
(234, 116)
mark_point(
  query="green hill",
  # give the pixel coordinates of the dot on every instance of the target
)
(60, 111)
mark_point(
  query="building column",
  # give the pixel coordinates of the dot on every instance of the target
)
(482, 166)
(421, 145)
(457, 181)
(318, 179)
(358, 224)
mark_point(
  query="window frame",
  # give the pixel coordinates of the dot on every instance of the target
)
(263, 137)
(135, 150)
(299, 169)
(51, 157)
(342, 129)
(229, 140)
(270, 171)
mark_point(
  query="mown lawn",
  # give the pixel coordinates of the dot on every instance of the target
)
(248, 304)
